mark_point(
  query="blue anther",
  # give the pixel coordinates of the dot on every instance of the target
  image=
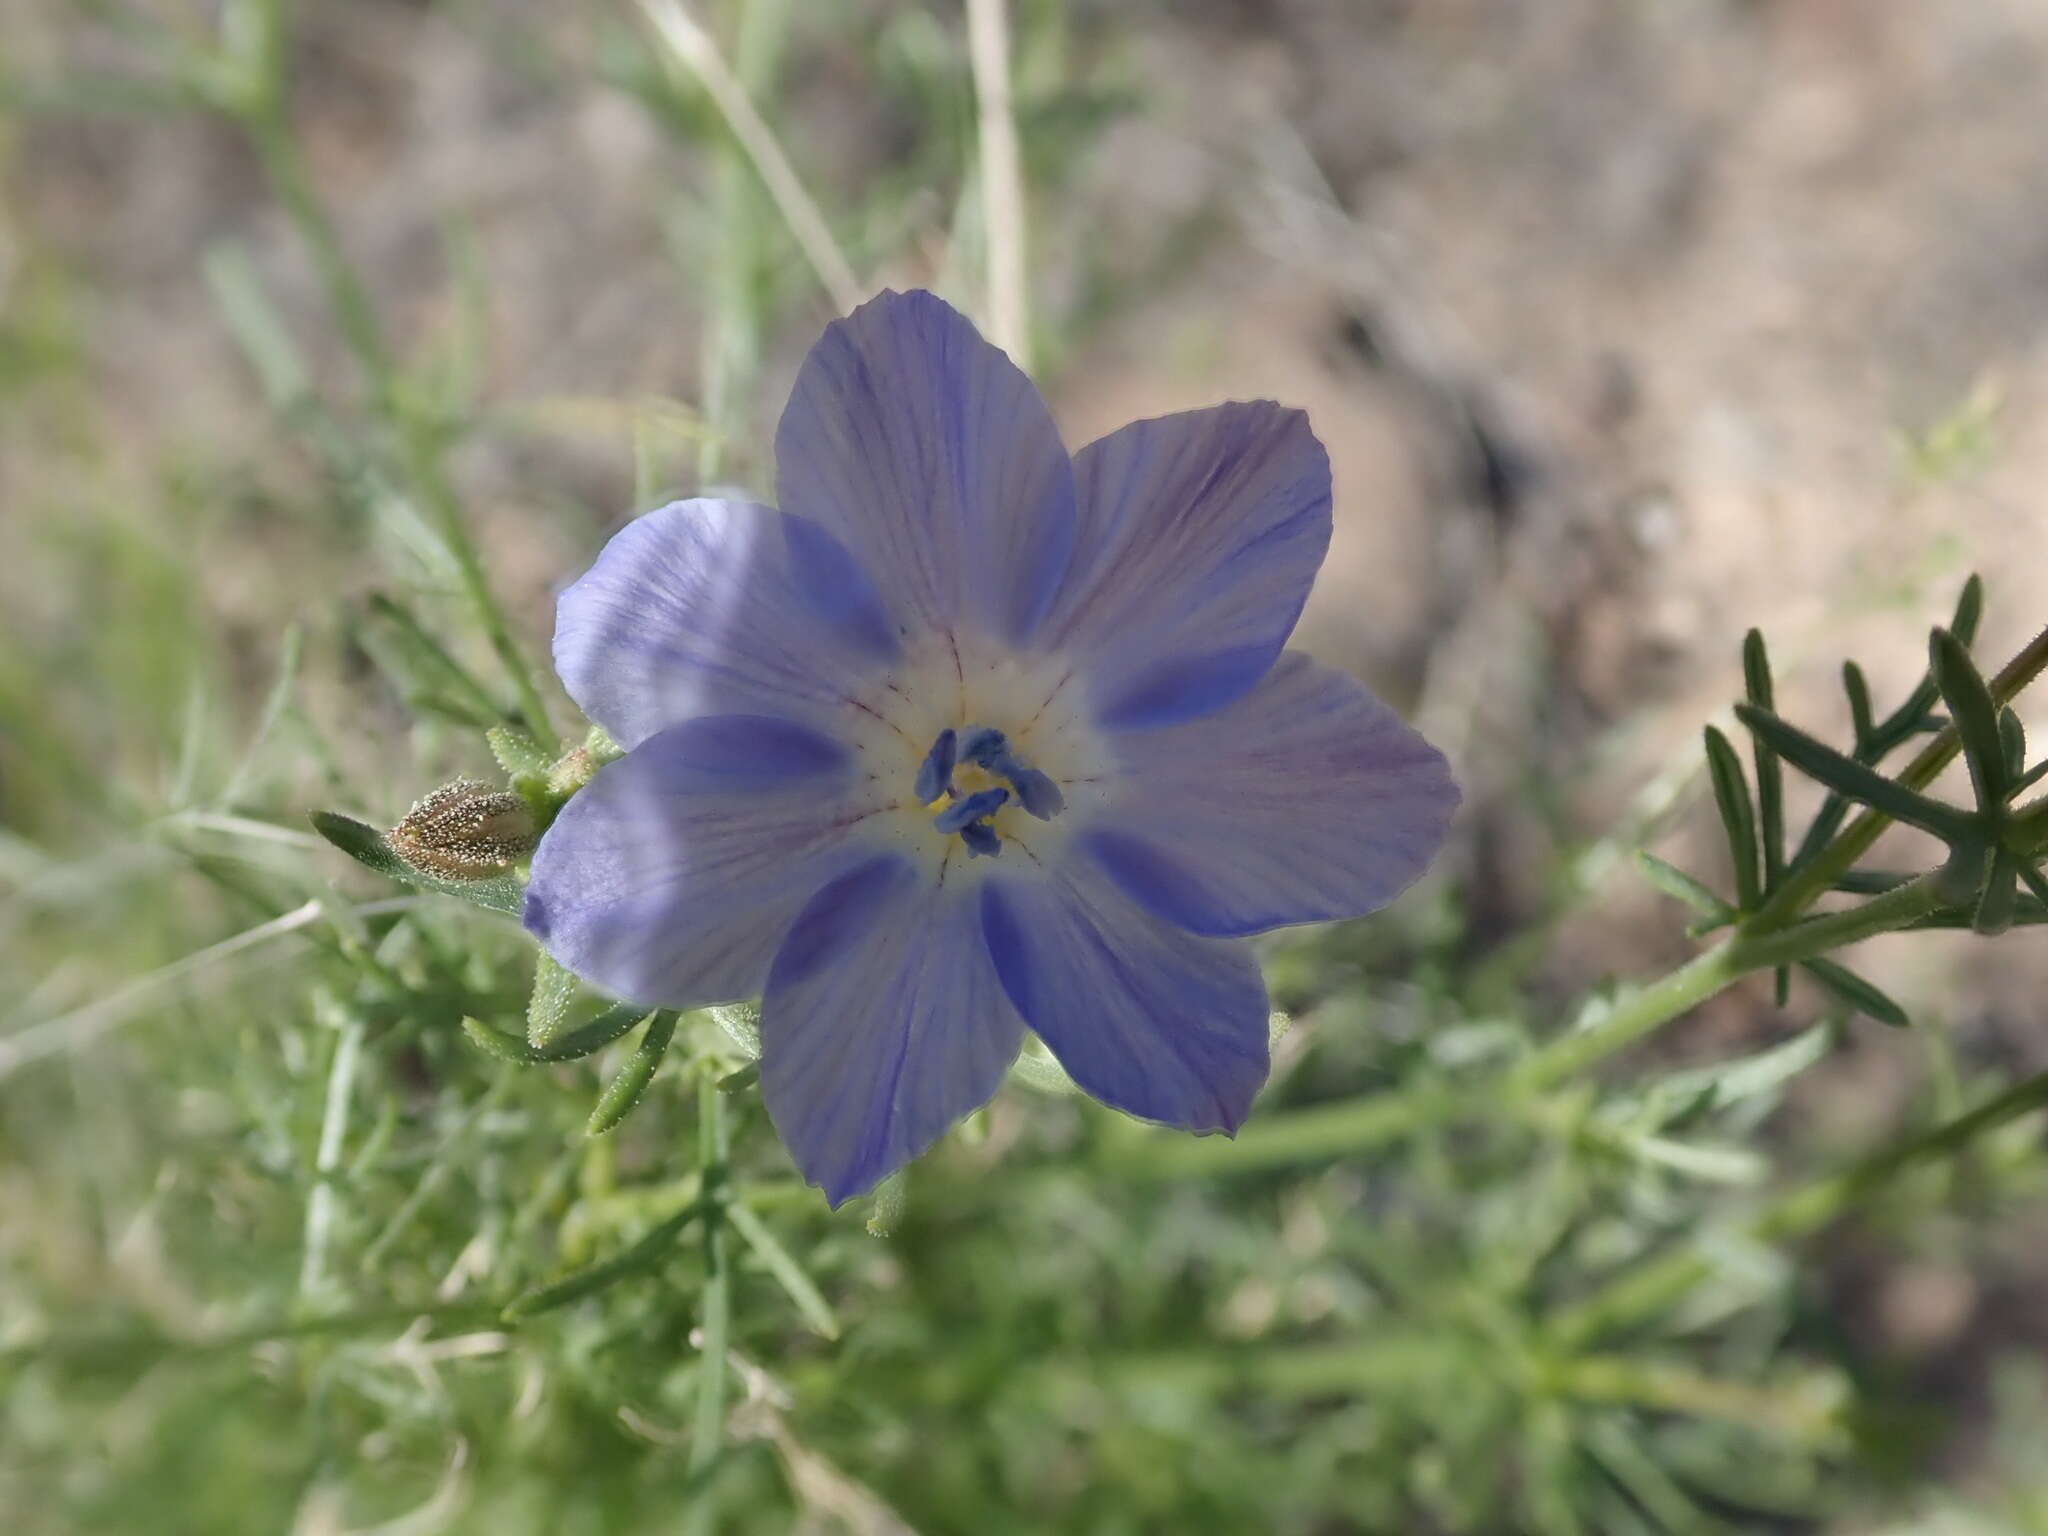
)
(983, 745)
(980, 838)
(935, 773)
(1036, 791)
(986, 747)
(970, 808)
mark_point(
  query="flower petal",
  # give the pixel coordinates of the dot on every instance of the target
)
(672, 876)
(1200, 535)
(1147, 1018)
(717, 607)
(936, 462)
(1306, 800)
(882, 1024)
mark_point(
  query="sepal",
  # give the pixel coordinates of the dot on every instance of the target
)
(370, 848)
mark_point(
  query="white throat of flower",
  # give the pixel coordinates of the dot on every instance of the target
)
(979, 754)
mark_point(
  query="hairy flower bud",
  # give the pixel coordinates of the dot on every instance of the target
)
(465, 831)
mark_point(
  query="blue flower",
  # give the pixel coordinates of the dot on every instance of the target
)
(974, 737)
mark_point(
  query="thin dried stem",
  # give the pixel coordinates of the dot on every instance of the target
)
(82, 1026)
(692, 47)
(1002, 179)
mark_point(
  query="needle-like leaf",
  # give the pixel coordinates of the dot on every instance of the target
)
(624, 1091)
(1976, 717)
(1820, 761)
(1738, 816)
(1863, 996)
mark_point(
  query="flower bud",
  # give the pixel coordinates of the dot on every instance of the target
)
(465, 831)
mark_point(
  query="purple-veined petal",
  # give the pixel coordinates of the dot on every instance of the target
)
(1147, 1018)
(1200, 535)
(1308, 799)
(672, 876)
(882, 1024)
(717, 607)
(935, 461)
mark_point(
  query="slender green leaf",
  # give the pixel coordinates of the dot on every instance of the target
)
(1859, 782)
(421, 667)
(1770, 773)
(1834, 810)
(501, 1045)
(369, 847)
(1676, 883)
(1970, 704)
(256, 327)
(517, 752)
(1711, 1163)
(643, 1255)
(714, 1333)
(1727, 1082)
(1863, 996)
(1999, 898)
(1036, 1068)
(1610, 1442)
(1738, 815)
(585, 1040)
(624, 1090)
(1865, 720)
(742, 1025)
(889, 1199)
(1912, 717)
(2035, 880)
(547, 1010)
(788, 1274)
(1756, 669)
(1969, 609)
(2012, 735)
(275, 703)
(589, 1039)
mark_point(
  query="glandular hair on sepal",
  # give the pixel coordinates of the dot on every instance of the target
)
(575, 770)
(465, 831)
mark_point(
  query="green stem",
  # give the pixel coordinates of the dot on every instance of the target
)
(271, 131)
(423, 459)
(418, 441)
(1804, 1408)
(1633, 1017)
(320, 1204)
(132, 1349)
(1395, 1361)
(1390, 1359)
(708, 1435)
(439, 1171)
(1708, 973)
(1336, 1130)
(1897, 908)
(1646, 1290)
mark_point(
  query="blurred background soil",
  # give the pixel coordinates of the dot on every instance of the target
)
(1629, 325)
